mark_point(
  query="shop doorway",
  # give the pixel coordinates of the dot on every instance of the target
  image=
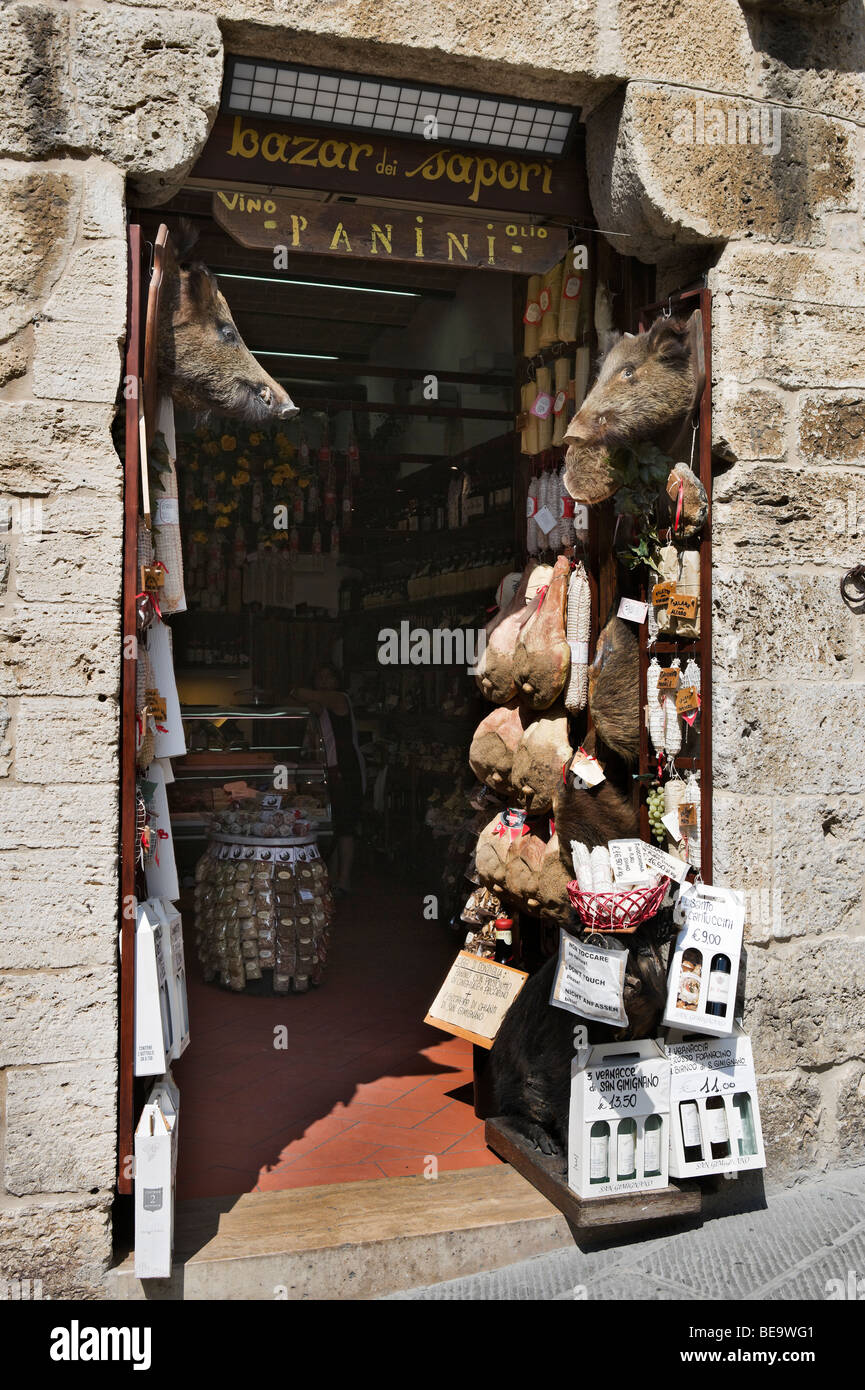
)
(327, 552)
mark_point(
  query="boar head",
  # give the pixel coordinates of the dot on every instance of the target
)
(645, 387)
(202, 360)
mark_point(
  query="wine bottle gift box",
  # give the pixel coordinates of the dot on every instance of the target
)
(714, 1110)
(704, 970)
(619, 1119)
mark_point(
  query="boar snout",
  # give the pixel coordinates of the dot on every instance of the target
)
(277, 402)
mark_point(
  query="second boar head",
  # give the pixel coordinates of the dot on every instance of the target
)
(645, 388)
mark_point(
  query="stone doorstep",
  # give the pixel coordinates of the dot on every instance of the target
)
(355, 1240)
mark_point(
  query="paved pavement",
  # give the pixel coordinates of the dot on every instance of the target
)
(808, 1242)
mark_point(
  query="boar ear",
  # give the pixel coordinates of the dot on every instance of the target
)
(184, 239)
(668, 339)
(201, 286)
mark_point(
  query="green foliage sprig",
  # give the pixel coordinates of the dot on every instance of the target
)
(642, 470)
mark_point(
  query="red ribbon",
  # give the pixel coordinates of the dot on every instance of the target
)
(145, 593)
(679, 502)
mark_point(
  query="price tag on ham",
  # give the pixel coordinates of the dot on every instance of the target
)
(632, 610)
(589, 981)
(668, 678)
(587, 768)
(662, 592)
(687, 700)
(543, 404)
(533, 312)
(682, 606)
(155, 703)
(474, 998)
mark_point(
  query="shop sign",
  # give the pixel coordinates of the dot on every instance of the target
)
(240, 150)
(280, 224)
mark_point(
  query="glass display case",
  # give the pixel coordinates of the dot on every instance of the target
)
(231, 748)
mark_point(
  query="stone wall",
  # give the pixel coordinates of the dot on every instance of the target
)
(96, 96)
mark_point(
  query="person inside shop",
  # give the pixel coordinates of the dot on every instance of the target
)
(345, 768)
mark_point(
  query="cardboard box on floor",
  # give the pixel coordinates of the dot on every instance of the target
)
(619, 1118)
(714, 1080)
(155, 1171)
(153, 1031)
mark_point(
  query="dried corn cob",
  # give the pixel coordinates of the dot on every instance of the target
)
(579, 621)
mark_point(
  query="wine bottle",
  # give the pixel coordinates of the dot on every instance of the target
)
(626, 1149)
(504, 939)
(689, 1119)
(718, 992)
(744, 1112)
(652, 1146)
(599, 1152)
(716, 1127)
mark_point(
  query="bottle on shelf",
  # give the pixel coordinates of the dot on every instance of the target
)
(689, 1119)
(746, 1139)
(718, 991)
(599, 1152)
(504, 939)
(718, 1134)
(626, 1150)
(652, 1146)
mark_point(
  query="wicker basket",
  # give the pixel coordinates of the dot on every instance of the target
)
(620, 911)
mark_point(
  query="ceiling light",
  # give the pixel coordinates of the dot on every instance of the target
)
(315, 284)
(316, 97)
(313, 356)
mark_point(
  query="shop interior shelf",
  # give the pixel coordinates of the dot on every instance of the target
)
(548, 1173)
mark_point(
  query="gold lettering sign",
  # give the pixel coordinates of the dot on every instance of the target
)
(244, 150)
(281, 224)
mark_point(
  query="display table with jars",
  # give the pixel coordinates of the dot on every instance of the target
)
(262, 912)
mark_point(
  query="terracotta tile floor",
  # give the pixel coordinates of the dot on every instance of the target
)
(363, 1088)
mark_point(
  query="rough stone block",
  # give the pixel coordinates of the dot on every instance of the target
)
(793, 1116)
(40, 210)
(103, 213)
(818, 866)
(60, 1128)
(832, 427)
(702, 36)
(66, 1243)
(73, 366)
(804, 1004)
(748, 422)
(783, 627)
(53, 568)
(801, 741)
(58, 817)
(34, 91)
(47, 447)
(742, 856)
(42, 653)
(147, 86)
(797, 345)
(849, 1115)
(764, 515)
(66, 740)
(50, 917)
(63, 1016)
(799, 275)
(672, 185)
(92, 288)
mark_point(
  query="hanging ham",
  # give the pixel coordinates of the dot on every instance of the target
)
(542, 656)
